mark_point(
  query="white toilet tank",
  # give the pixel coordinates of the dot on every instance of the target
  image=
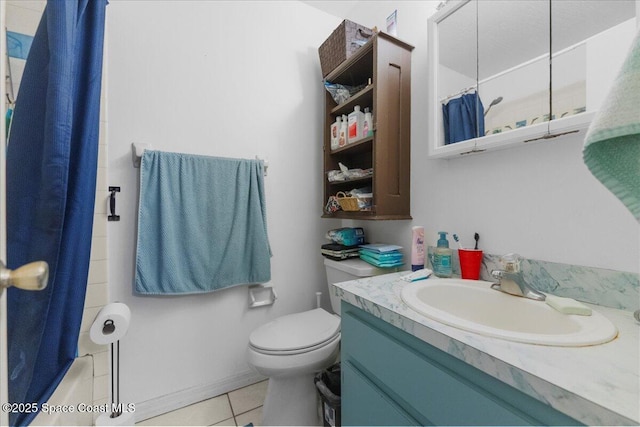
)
(349, 269)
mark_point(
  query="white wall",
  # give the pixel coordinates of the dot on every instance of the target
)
(230, 79)
(538, 200)
(241, 79)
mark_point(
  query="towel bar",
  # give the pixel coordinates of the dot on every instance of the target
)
(137, 150)
(265, 164)
(260, 296)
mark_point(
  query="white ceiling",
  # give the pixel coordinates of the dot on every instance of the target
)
(339, 8)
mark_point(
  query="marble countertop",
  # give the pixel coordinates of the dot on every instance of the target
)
(596, 385)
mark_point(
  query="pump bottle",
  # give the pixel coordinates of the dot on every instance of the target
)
(442, 256)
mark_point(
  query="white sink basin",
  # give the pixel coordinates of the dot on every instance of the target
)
(472, 305)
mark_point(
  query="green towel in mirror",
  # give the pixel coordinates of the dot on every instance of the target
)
(612, 145)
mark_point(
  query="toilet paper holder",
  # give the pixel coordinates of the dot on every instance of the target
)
(109, 326)
(260, 296)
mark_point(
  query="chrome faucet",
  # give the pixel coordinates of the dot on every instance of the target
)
(511, 280)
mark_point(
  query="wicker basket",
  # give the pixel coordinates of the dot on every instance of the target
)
(347, 203)
(341, 44)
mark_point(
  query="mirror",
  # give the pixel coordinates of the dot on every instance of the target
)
(457, 75)
(501, 51)
(513, 64)
(590, 42)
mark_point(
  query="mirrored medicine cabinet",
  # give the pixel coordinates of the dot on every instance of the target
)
(504, 73)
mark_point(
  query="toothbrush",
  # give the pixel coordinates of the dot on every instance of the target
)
(476, 236)
(455, 237)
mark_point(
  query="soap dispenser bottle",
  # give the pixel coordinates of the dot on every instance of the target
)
(442, 256)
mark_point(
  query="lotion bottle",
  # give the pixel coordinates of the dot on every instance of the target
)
(417, 248)
(442, 256)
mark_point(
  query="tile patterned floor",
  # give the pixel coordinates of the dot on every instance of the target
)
(236, 408)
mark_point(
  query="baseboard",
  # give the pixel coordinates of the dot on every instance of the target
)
(170, 402)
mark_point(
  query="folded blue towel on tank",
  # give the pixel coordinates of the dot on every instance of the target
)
(201, 224)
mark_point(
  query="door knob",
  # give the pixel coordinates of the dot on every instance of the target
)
(30, 277)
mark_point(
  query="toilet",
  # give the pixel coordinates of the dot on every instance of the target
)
(292, 348)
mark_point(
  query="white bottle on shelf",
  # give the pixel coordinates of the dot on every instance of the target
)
(342, 135)
(356, 120)
(335, 134)
(367, 126)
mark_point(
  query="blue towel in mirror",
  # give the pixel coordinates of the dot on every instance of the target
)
(463, 118)
(201, 224)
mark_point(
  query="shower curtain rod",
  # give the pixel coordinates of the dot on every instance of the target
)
(461, 92)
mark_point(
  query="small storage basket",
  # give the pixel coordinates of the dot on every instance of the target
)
(347, 203)
(341, 44)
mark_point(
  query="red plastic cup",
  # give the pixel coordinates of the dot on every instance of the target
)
(470, 263)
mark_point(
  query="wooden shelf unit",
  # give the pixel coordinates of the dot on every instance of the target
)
(386, 62)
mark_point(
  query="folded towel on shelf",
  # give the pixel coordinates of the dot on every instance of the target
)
(612, 144)
(383, 257)
(381, 247)
(201, 224)
(381, 264)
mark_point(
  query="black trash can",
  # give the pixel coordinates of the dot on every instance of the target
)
(328, 384)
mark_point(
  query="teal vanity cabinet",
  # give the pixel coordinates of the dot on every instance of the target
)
(390, 377)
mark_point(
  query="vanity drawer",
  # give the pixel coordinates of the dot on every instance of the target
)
(380, 409)
(430, 385)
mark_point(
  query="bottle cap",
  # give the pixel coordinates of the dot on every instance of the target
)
(443, 242)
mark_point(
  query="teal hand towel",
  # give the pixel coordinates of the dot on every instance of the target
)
(380, 263)
(201, 224)
(612, 145)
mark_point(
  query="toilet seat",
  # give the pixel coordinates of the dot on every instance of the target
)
(296, 333)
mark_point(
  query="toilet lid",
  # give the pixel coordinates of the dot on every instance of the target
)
(296, 331)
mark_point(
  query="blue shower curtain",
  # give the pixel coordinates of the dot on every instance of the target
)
(51, 172)
(463, 118)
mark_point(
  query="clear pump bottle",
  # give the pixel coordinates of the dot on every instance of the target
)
(442, 256)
